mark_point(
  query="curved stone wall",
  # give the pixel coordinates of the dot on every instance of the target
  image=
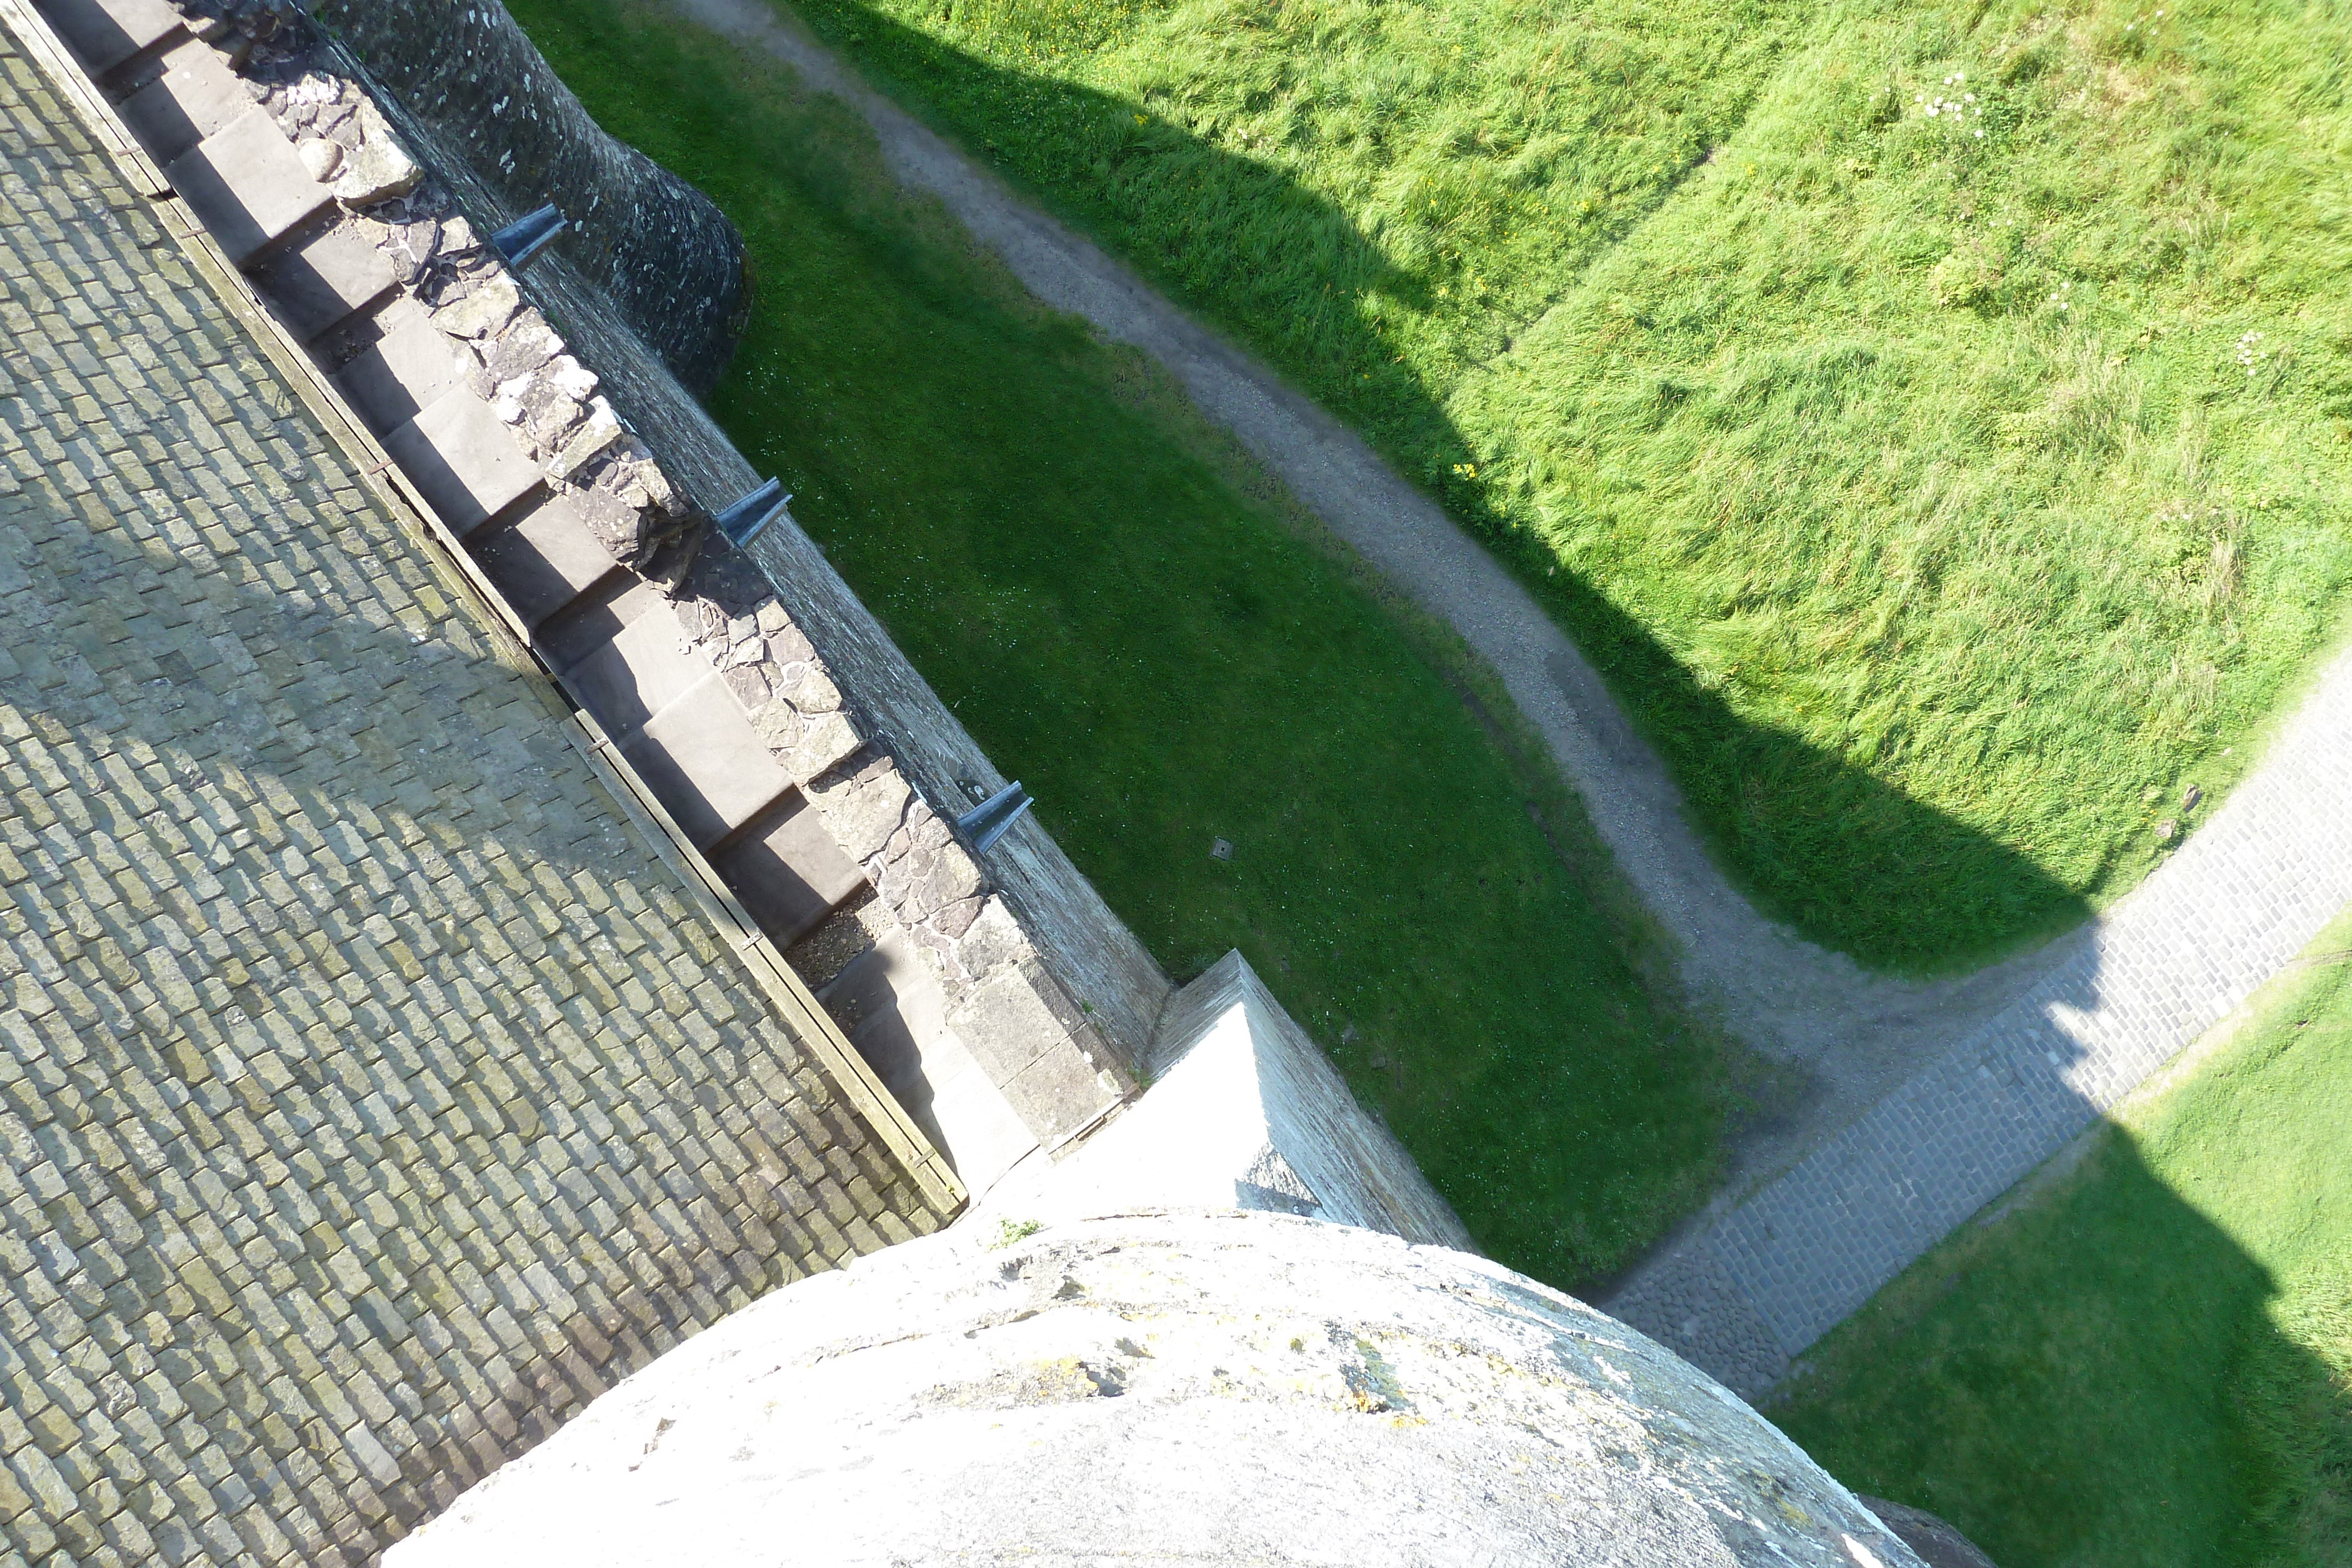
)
(1174, 1388)
(485, 104)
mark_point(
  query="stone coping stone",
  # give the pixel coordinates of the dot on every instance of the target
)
(467, 462)
(411, 365)
(892, 1008)
(105, 33)
(247, 183)
(196, 95)
(546, 560)
(324, 282)
(789, 871)
(703, 761)
(624, 658)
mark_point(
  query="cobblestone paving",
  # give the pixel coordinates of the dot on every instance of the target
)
(369, 1096)
(2239, 899)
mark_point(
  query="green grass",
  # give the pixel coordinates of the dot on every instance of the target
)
(1908, 484)
(1139, 627)
(2148, 1360)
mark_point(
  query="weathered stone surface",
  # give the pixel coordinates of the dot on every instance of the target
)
(464, 460)
(1244, 1110)
(800, 683)
(600, 432)
(993, 938)
(545, 561)
(862, 808)
(1244, 1389)
(618, 525)
(1012, 1018)
(1061, 1094)
(320, 284)
(495, 116)
(826, 742)
(408, 364)
(319, 157)
(196, 95)
(700, 755)
(949, 877)
(374, 1094)
(245, 182)
(750, 688)
(789, 873)
(105, 33)
(478, 305)
(635, 671)
(779, 726)
(378, 169)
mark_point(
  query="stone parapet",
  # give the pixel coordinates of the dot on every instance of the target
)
(607, 564)
(373, 1092)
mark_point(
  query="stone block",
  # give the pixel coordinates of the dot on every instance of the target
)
(790, 872)
(640, 669)
(777, 723)
(247, 185)
(411, 365)
(478, 305)
(993, 940)
(824, 742)
(196, 95)
(951, 877)
(602, 429)
(1059, 1093)
(465, 462)
(863, 809)
(545, 560)
(379, 169)
(324, 282)
(105, 33)
(1012, 1019)
(700, 758)
(807, 688)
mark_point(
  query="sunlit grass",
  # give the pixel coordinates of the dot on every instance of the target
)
(1127, 617)
(1991, 460)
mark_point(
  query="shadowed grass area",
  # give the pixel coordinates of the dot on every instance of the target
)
(2149, 1360)
(1990, 460)
(1135, 623)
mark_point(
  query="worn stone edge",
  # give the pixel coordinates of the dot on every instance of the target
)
(473, 591)
(785, 989)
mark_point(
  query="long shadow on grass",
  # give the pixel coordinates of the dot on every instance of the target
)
(1814, 841)
(2095, 1379)
(1165, 665)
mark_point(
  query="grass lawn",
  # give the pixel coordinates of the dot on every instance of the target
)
(1943, 492)
(2148, 1360)
(1130, 622)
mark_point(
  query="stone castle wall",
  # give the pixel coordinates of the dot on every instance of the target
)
(373, 1091)
(479, 98)
(875, 708)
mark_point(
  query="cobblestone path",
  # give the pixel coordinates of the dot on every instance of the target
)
(1906, 1135)
(1756, 1285)
(372, 1091)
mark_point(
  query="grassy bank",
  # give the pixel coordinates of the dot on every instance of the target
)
(2149, 1360)
(1943, 492)
(1125, 615)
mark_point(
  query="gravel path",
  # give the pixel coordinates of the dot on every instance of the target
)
(1866, 1041)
